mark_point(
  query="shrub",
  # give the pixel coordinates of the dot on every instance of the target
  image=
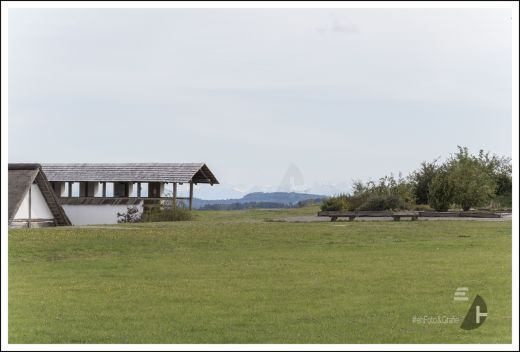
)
(132, 215)
(421, 207)
(470, 178)
(336, 203)
(499, 168)
(180, 213)
(501, 172)
(357, 201)
(504, 185)
(388, 188)
(504, 201)
(421, 180)
(440, 193)
(380, 203)
(471, 181)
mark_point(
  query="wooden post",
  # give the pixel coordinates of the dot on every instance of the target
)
(174, 200)
(70, 189)
(138, 189)
(104, 192)
(30, 206)
(191, 193)
(151, 190)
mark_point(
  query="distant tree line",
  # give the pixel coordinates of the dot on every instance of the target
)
(463, 181)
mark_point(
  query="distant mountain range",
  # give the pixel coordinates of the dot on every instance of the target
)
(228, 191)
(259, 200)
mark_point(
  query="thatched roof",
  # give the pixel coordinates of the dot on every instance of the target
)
(21, 176)
(131, 172)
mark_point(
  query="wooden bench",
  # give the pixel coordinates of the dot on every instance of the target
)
(413, 215)
(459, 214)
(351, 215)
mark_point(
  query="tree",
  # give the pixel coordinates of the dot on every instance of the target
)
(440, 190)
(421, 180)
(470, 179)
(500, 169)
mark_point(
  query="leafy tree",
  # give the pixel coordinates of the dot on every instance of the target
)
(471, 179)
(464, 179)
(504, 184)
(501, 170)
(440, 190)
(421, 180)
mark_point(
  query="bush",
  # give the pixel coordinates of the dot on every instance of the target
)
(336, 203)
(380, 203)
(421, 180)
(132, 215)
(387, 193)
(421, 207)
(502, 173)
(504, 185)
(180, 213)
(504, 201)
(357, 201)
(440, 193)
(471, 180)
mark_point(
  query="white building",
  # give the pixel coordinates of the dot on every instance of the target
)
(104, 190)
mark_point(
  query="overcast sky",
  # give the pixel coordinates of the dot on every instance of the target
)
(342, 94)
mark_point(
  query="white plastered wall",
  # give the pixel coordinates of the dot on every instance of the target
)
(95, 214)
(39, 207)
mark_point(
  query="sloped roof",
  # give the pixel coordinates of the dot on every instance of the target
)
(131, 172)
(20, 179)
(21, 176)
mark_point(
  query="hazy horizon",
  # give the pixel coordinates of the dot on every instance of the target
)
(340, 94)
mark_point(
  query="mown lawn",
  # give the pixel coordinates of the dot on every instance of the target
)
(236, 277)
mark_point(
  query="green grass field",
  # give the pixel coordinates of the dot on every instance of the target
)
(237, 277)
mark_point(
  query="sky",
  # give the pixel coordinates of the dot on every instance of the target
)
(329, 95)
